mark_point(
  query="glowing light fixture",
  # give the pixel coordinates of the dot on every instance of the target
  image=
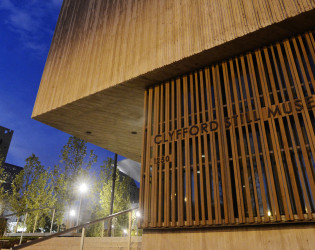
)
(72, 213)
(83, 188)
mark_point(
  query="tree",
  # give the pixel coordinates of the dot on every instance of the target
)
(36, 187)
(32, 189)
(121, 197)
(101, 196)
(76, 162)
(39, 195)
(60, 191)
(73, 159)
(16, 199)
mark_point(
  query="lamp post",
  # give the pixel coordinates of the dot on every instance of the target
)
(72, 214)
(83, 188)
(112, 196)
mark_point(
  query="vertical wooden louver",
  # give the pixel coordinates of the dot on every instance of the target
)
(233, 143)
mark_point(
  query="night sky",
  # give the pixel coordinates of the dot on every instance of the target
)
(26, 30)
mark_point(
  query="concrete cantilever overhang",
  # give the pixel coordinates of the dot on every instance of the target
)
(105, 53)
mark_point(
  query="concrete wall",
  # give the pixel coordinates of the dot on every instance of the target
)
(99, 44)
(293, 237)
(93, 243)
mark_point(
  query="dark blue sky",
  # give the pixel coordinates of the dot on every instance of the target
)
(26, 30)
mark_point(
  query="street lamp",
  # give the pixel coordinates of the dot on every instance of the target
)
(83, 188)
(72, 213)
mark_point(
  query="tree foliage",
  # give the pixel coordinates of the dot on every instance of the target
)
(37, 186)
(76, 162)
(121, 195)
(33, 189)
(60, 191)
(102, 197)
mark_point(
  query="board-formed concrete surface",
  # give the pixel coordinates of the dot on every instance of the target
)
(90, 243)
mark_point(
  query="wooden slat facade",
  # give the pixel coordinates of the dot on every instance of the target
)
(233, 143)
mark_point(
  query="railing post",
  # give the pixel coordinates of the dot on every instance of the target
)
(23, 228)
(82, 238)
(80, 204)
(102, 228)
(52, 220)
(129, 230)
(17, 223)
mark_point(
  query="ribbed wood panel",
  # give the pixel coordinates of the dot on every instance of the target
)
(98, 44)
(233, 143)
(104, 53)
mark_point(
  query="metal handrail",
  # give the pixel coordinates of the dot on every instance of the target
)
(33, 242)
(25, 211)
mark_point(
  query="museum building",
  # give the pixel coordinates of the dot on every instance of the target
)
(215, 98)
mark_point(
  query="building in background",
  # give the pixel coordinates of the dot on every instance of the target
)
(5, 140)
(132, 189)
(130, 168)
(214, 98)
(10, 172)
